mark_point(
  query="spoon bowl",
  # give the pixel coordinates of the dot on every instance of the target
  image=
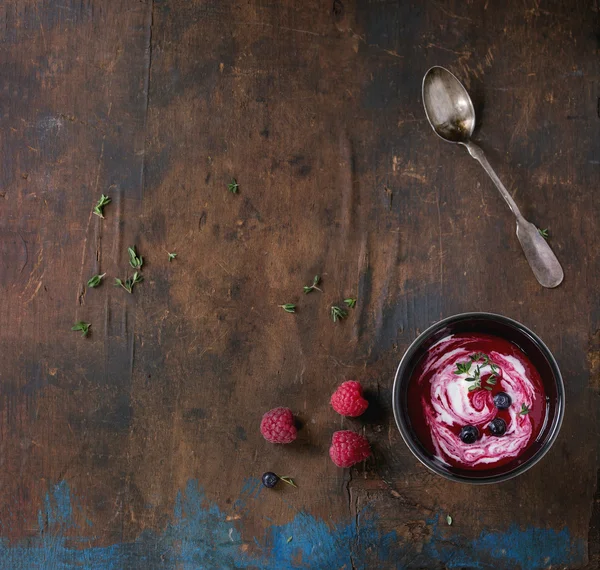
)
(448, 106)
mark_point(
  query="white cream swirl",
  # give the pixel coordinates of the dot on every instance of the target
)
(451, 404)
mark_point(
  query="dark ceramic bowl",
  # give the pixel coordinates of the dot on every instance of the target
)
(540, 357)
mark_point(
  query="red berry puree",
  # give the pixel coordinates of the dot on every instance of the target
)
(454, 385)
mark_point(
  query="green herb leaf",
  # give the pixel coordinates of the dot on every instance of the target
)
(350, 302)
(83, 327)
(525, 409)
(480, 356)
(125, 284)
(288, 307)
(462, 368)
(544, 233)
(233, 186)
(290, 538)
(309, 288)
(337, 314)
(289, 481)
(485, 359)
(95, 280)
(449, 520)
(476, 374)
(99, 207)
(136, 261)
(129, 282)
(172, 256)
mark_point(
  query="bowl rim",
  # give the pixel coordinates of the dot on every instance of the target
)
(402, 425)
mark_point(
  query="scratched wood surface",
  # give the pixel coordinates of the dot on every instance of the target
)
(315, 108)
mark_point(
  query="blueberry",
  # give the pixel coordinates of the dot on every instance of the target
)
(502, 400)
(469, 434)
(269, 479)
(498, 427)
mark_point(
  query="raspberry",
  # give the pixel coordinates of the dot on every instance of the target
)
(277, 426)
(348, 399)
(348, 448)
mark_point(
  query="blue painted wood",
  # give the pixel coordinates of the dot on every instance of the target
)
(200, 535)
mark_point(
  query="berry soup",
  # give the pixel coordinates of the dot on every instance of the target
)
(475, 401)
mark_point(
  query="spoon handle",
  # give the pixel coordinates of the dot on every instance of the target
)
(478, 155)
(541, 258)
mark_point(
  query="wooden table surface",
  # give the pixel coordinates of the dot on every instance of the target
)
(138, 447)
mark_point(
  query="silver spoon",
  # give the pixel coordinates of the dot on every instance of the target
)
(451, 114)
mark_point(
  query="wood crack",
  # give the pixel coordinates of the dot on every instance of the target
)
(147, 89)
(355, 515)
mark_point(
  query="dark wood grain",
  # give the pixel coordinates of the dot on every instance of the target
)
(315, 109)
